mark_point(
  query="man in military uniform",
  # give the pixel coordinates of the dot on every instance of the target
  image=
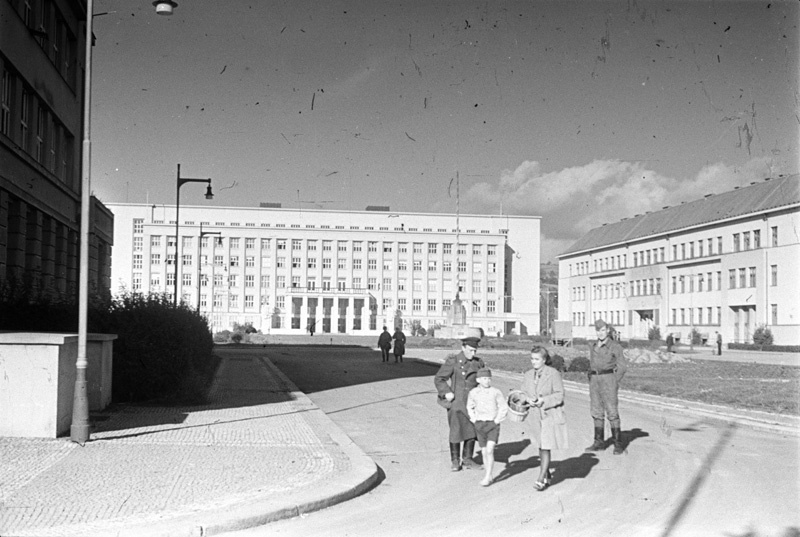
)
(607, 366)
(455, 378)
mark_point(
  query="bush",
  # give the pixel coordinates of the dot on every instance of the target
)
(696, 337)
(223, 336)
(236, 337)
(762, 336)
(767, 348)
(557, 362)
(579, 364)
(654, 334)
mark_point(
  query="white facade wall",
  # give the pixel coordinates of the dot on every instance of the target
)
(682, 280)
(349, 271)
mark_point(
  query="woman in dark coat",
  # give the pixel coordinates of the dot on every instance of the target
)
(399, 345)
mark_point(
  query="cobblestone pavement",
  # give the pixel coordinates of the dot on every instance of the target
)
(258, 451)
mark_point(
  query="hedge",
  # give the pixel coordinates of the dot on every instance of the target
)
(768, 348)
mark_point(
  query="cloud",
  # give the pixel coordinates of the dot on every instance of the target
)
(574, 200)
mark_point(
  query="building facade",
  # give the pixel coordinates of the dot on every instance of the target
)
(41, 120)
(727, 263)
(284, 270)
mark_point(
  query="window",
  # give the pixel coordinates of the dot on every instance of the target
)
(401, 284)
(372, 246)
(234, 242)
(417, 265)
(186, 279)
(700, 248)
(462, 266)
(719, 280)
(490, 306)
(341, 246)
(416, 304)
(249, 261)
(265, 244)
(233, 301)
(736, 245)
(691, 283)
(250, 244)
(683, 284)
(447, 248)
(218, 260)
(387, 284)
(5, 103)
(326, 262)
(372, 283)
(710, 246)
(417, 247)
(280, 262)
(155, 259)
(417, 286)
(372, 264)
(137, 243)
(491, 286)
(312, 263)
(476, 286)
(746, 240)
(402, 247)
(683, 251)
(476, 306)
(356, 264)
(774, 235)
(387, 264)
(311, 283)
(248, 301)
(155, 241)
(683, 316)
(280, 282)
(431, 304)
(327, 246)
(432, 248)
(752, 276)
(774, 313)
(387, 247)
(233, 280)
(432, 266)
(387, 304)
(691, 250)
(700, 281)
(136, 283)
(234, 260)
(401, 265)
(674, 252)
(217, 280)
(674, 285)
(265, 280)
(401, 304)
(773, 281)
(24, 119)
(249, 280)
(137, 261)
(742, 278)
(281, 244)
(719, 245)
(732, 279)
(477, 267)
(462, 249)
(432, 284)
(341, 284)
(356, 246)
(447, 266)
(757, 238)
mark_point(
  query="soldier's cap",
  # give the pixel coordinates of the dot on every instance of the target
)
(484, 373)
(599, 323)
(471, 341)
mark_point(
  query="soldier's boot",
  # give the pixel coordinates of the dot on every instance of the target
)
(598, 444)
(469, 449)
(619, 447)
(455, 457)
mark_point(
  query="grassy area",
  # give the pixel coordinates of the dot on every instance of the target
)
(769, 388)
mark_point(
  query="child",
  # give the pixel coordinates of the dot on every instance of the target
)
(486, 407)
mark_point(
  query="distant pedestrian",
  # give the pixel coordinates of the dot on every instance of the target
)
(670, 342)
(719, 344)
(455, 378)
(385, 344)
(399, 345)
(486, 407)
(311, 328)
(607, 366)
(544, 391)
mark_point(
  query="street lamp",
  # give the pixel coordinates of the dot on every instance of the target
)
(209, 195)
(199, 260)
(79, 429)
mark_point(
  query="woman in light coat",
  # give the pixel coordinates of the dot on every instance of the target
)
(544, 391)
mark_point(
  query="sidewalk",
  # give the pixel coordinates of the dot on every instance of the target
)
(260, 451)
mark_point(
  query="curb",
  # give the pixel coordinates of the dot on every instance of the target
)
(260, 510)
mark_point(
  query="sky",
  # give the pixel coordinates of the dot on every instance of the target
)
(580, 112)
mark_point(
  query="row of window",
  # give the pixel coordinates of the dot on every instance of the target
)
(708, 315)
(29, 122)
(615, 317)
(47, 25)
(688, 250)
(235, 243)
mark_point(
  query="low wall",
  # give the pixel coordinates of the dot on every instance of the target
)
(37, 380)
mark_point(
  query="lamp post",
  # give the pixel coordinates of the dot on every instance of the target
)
(199, 259)
(79, 429)
(209, 195)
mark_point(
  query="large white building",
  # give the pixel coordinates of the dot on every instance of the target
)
(729, 262)
(342, 271)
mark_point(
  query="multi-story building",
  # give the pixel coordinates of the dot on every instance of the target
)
(282, 270)
(41, 120)
(726, 263)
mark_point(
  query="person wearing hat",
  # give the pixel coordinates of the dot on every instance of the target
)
(607, 366)
(385, 344)
(486, 407)
(455, 378)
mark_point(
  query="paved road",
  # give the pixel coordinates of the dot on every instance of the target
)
(681, 475)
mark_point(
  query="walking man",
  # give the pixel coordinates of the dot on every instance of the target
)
(385, 344)
(455, 378)
(607, 366)
(719, 344)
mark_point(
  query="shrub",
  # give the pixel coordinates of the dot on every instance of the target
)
(246, 328)
(696, 337)
(579, 364)
(236, 337)
(223, 336)
(654, 334)
(762, 336)
(557, 362)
